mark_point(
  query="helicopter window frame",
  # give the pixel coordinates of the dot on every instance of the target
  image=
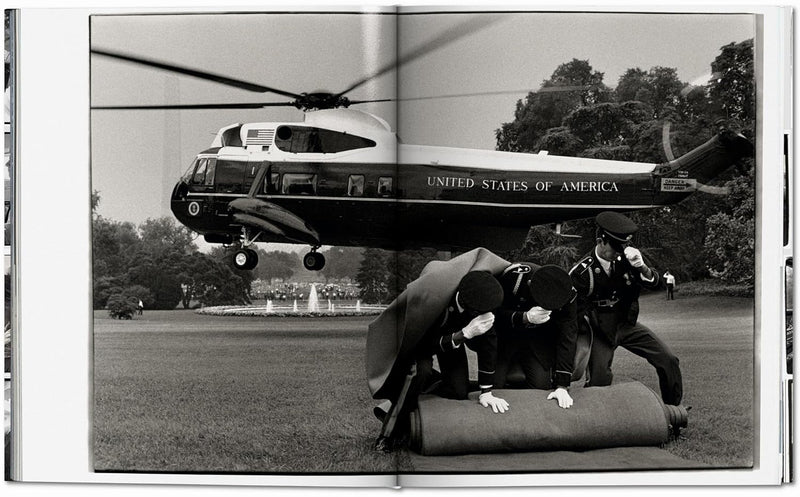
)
(355, 185)
(272, 181)
(385, 186)
(299, 184)
(211, 169)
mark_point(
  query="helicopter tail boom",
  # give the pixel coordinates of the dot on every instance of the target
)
(708, 160)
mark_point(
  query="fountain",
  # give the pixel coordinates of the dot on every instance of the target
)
(275, 309)
(313, 300)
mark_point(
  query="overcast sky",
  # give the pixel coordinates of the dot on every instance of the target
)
(137, 156)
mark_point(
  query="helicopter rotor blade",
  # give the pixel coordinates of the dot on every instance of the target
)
(549, 89)
(236, 83)
(666, 142)
(449, 36)
(254, 105)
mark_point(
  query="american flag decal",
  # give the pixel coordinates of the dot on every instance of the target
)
(259, 136)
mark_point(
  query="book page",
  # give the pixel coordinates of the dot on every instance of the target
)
(164, 394)
(547, 84)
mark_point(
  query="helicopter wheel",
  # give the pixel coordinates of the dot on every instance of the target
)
(314, 261)
(245, 259)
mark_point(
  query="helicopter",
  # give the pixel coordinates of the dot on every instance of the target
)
(341, 177)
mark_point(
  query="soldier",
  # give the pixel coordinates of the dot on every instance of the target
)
(466, 320)
(537, 328)
(608, 281)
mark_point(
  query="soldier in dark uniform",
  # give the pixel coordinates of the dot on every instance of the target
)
(537, 328)
(608, 281)
(467, 321)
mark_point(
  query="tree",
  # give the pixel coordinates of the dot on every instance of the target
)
(559, 141)
(732, 90)
(730, 238)
(342, 262)
(659, 88)
(375, 276)
(277, 264)
(121, 306)
(159, 274)
(164, 234)
(632, 85)
(682, 237)
(547, 109)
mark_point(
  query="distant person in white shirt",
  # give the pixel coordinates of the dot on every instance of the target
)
(669, 279)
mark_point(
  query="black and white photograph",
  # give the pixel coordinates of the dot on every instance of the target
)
(417, 242)
(400, 246)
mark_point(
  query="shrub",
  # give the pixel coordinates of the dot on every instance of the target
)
(122, 306)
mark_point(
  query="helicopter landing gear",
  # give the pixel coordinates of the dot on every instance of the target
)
(314, 261)
(245, 259)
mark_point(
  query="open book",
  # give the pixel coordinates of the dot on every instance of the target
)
(156, 154)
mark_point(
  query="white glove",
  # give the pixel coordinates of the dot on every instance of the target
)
(562, 396)
(497, 404)
(634, 257)
(478, 326)
(537, 315)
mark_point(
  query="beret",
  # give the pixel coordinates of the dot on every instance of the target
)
(550, 287)
(479, 291)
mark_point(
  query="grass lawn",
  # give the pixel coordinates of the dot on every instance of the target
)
(179, 392)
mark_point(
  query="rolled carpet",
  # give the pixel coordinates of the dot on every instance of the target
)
(625, 414)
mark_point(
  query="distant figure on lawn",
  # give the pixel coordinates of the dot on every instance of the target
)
(669, 279)
(140, 308)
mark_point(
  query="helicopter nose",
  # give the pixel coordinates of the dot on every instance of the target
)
(180, 191)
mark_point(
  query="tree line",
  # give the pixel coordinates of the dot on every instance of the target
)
(704, 236)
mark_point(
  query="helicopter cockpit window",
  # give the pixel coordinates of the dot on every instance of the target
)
(299, 184)
(187, 176)
(200, 173)
(385, 185)
(305, 140)
(355, 185)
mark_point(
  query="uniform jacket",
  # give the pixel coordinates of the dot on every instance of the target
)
(609, 300)
(553, 342)
(438, 340)
(393, 337)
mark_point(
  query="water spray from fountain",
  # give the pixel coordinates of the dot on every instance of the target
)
(313, 300)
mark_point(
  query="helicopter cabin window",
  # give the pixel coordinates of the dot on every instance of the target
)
(230, 176)
(306, 140)
(385, 185)
(299, 184)
(355, 185)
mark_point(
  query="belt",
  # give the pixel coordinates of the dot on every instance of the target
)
(608, 303)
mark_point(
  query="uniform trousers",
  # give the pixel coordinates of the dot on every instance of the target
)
(513, 352)
(640, 340)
